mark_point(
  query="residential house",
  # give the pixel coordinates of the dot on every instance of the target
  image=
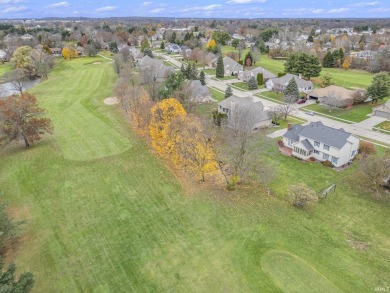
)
(156, 67)
(136, 53)
(383, 110)
(248, 74)
(248, 109)
(333, 95)
(281, 82)
(231, 66)
(321, 142)
(80, 50)
(173, 48)
(157, 37)
(3, 55)
(210, 59)
(200, 93)
(26, 37)
(185, 51)
(57, 52)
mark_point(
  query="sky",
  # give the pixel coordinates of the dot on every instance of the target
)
(196, 9)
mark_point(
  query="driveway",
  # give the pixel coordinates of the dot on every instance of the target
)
(370, 122)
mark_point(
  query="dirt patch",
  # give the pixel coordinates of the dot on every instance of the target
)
(97, 62)
(111, 101)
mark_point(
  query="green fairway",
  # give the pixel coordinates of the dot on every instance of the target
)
(293, 275)
(105, 215)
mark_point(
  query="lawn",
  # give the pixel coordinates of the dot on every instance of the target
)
(357, 113)
(243, 86)
(346, 78)
(105, 215)
(209, 71)
(217, 94)
(279, 97)
(4, 68)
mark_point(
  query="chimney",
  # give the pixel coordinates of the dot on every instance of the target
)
(300, 76)
(289, 126)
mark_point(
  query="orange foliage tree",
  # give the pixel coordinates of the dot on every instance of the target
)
(347, 63)
(211, 45)
(69, 53)
(20, 119)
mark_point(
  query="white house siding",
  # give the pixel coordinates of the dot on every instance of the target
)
(269, 84)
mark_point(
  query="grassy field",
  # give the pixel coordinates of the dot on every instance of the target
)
(209, 71)
(104, 214)
(384, 125)
(273, 96)
(355, 114)
(4, 68)
(217, 94)
(244, 86)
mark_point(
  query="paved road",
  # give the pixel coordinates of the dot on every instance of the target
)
(361, 129)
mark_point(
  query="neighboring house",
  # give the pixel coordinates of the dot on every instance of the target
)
(26, 37)
(333, 95)
(80, 50)
(322, 142)
(185, 51)
(136, 53)
(156, 68)
(173, 48)
(57, 52)
(367, 54)
(3, 55)
(231, 66)
(200, 92)
(303, 85)
(382, 111)
(246, 75)
(210, 59)
(157, 37)
(253, 110)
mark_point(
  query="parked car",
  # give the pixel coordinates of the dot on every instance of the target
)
(301, 101)
(311, 113)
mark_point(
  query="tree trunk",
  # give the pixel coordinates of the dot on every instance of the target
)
(26, 143)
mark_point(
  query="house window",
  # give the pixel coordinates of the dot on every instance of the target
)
(326, 147)
(290, 142)
(325, 156)
(353, 153)
(334, 160)
(316, 143)
(316, 152)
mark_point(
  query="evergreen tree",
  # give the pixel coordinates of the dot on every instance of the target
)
(182, 69)
(260, 79)
(252, 83)
(291, 90)
(220, 70)
(8, 283)
(303, 63)
(328, 61)
(202, 78)
(341, 55)
(380, 86)
(310, 39)
(162, 46)
(228, 92)
(148, 52)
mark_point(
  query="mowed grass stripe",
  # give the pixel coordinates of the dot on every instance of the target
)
(81, 134)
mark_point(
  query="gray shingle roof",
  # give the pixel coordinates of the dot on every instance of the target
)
(319, 132)
(284, 80)
(248, 105)
(307, 145)
(232, 65)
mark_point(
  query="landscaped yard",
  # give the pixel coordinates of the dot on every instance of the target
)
(384, 126)
(355, 114)
(272, 95)
(243, 86)
(217, 94)
(105, 215)
(226, 77)
(208, 71)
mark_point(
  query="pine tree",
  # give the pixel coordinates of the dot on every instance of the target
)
(291, 90)
(380, 86)
(328, 60)
(341, 55)
(202, 78)
(252, 83)
(162, 46)
(220, 70)
(260, 79)
(182, 69)
(228, 92)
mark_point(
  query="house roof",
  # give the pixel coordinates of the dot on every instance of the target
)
(284, 80)
(319, 132)
(340, 92)
(201, 92)
(307, 145)
(232, 65)
(266, 73)
(247, 105)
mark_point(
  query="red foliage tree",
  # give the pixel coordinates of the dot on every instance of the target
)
(20, 119)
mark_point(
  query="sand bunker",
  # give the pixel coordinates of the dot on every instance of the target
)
(97, 62)
(111, 101)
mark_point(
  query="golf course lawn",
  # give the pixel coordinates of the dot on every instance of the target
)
(4, 68)
(105, 215)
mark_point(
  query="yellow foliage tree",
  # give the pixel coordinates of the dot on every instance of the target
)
(69, 53)
(347, 62)
(211, 45)
(162, 137)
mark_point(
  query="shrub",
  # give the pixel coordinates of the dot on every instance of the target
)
(327, 163)
(252, 83)
(260, 79)
(312, 159)
(317, 102)
(301, 196)
(367, 148)
(280, 74)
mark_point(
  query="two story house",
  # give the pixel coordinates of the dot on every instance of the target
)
(281, 82)
(322, 142)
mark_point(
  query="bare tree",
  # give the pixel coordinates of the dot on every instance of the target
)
(17, 78)
(149, 79)
(285, 110)
(377, 169)
(333, 101)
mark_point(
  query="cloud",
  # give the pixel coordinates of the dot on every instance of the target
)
(366, 3)
(246, 1)
(338, 10)
(147, 3)
(58, 5)
(10, 1)
(202, 8)
(105, 9)
(15, 9)
(157, 10)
